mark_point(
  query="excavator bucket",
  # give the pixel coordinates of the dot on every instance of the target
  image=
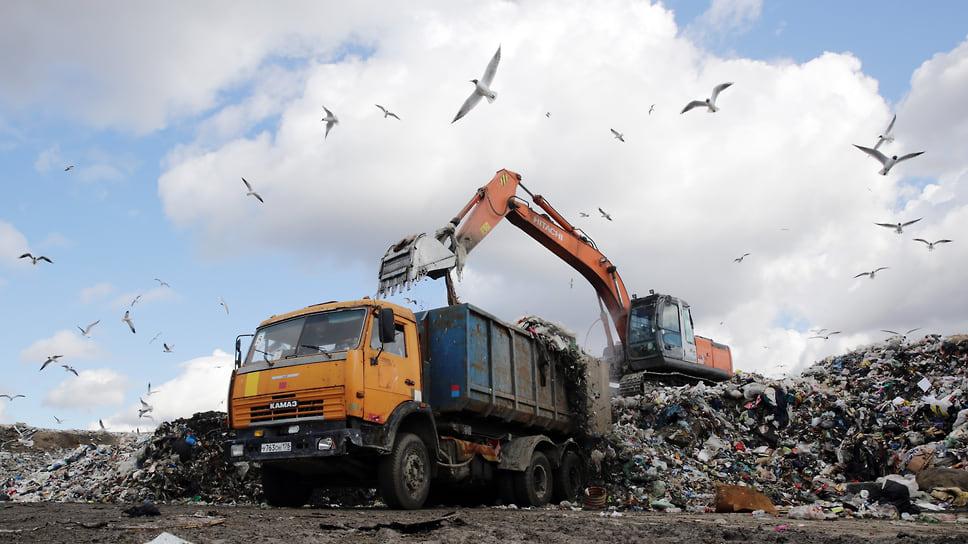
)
(412, 258)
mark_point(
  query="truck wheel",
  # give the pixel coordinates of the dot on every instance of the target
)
(404, 475)
(570, 477)
(282, 488)
(534, 485)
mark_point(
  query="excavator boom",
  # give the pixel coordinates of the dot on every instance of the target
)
(418, 256)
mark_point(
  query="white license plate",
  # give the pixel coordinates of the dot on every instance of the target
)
(272, 447)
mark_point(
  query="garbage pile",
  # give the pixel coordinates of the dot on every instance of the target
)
(883, 412)
(181, 461)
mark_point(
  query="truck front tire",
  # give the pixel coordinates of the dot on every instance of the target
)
(404, 474)
(534, 486)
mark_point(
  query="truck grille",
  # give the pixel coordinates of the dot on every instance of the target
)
(329, 403)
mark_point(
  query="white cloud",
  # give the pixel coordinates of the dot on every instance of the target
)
(12, 244)
(725, 16)
(69, 344)
(88, 390)
(201, 386)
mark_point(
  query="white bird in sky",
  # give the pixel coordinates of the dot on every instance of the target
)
(899, 226)
(127, 319)
(11, 397)
(740, 258)
(162, 283)
(582, 214)
(150, 390)
(87, 332)
(887, 136)
(69, 167)
(224, 305)
(100, 423)
(826, 336)
(618, 135)
(330, 119)
(652, 107)
(35, 259)
(932, 244)
(69, 368)
(58, 420)
(709, 103)
(50, 359)
(388, 113)
(248, 187)
(167, 347)
(482, 87)
(604, 214)
(871, 273)
(886, 162)
(153, 338)
(135, 301)
(899, 335)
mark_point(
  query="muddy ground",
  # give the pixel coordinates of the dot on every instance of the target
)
(78, 523)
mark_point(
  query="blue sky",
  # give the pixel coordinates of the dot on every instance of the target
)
(160, 131)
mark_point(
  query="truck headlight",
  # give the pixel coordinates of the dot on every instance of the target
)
(324, 444)
(236, 450)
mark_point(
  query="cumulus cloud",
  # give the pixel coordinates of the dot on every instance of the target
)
(89, 390)
(201, 385)
(12, 244)
(725, 16)
(96, 292)
(69, 344)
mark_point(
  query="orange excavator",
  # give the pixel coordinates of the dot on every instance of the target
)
(655, 333)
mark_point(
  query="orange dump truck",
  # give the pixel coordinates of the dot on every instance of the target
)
(367, 393)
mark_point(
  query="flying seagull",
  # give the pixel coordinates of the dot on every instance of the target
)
(145, 408)
(135, 301)
(709, 103)
(330, 119)
(162, 283)
(388, 113)
(127, 319)
(871, 273)
(101, 424)
(740, 258)
(826, 336)
(886, 162)
(11, 397)
(604, 214)
(58, 420)
(69, 168)
(69, 368)
(224, 305)
(618, 135)
(167, 347)
(898, 227)
(35, 259)
(481, 87)
(899, 335)
(931, 244)
(50, 359)
(87, 332)
(582, 214)
(887, 136)
(153, 338)
(652, 107)
(150, 391)
(248, 187)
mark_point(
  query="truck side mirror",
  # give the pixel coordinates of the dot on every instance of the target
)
(387, 327)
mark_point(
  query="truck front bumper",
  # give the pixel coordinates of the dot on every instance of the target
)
(294, 441)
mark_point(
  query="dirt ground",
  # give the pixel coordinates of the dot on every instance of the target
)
(211, 524)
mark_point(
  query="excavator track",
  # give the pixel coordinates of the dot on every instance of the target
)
(633, 383)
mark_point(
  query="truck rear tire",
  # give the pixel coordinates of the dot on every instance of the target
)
(404, 474)
(534, 486)
(570, 477)
(284, 489)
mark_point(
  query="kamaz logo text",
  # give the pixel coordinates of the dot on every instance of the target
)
(283, 404)
(550, 229)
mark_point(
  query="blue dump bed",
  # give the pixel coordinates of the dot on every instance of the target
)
(477, 366)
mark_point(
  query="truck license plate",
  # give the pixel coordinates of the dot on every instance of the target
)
(273, 447)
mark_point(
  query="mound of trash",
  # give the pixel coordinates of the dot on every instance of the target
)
(880, 431)
(884, 412)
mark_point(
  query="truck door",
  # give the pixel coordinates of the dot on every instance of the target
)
(391, 374)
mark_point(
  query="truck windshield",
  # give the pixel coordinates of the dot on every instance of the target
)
(642, 331)
(322, 333)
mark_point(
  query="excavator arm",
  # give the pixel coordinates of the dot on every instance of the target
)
(418, 256)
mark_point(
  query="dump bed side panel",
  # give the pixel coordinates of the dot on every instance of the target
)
(478, 366)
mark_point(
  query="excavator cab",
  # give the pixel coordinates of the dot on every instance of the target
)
(661, 341)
